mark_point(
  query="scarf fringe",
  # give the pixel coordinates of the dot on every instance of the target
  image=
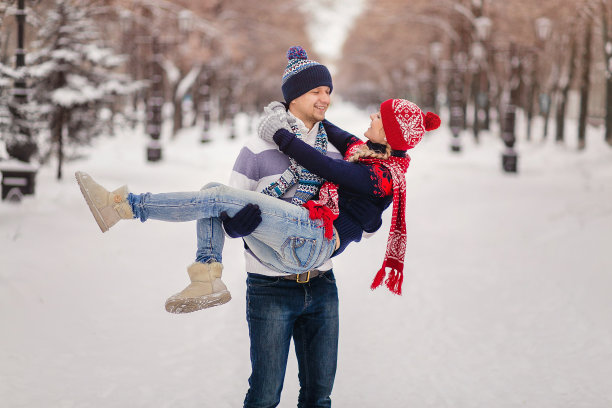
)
(378, 279)
(319, 211)
(394, 279)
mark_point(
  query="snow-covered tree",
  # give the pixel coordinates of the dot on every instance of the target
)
(73, 76)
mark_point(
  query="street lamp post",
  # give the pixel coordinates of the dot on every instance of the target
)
(456, 100)
(156, 102)
(20, 91)
(21, 147)
(19, 176)
(204, 90)
(510, 156)
(480, 79)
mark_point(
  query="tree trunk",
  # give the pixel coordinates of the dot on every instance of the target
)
(476, 102)
(560, 116)
(531, 95)
(178, 114)
(608, 60)
(584, 85)
(59, 139)
(609, 110)
(196, 99)
(563, 93)
(486, 123)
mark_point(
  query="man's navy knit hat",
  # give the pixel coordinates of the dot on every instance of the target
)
(301, 74)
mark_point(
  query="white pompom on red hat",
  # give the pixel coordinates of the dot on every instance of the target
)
(405, 123)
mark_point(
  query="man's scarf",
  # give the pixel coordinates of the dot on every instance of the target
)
(326, 209)
(308, 183)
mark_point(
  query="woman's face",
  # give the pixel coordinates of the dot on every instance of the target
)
(375, 132)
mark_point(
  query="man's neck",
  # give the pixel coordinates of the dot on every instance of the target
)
(308, 124)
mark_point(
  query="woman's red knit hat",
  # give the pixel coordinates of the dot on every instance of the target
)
(405, 123)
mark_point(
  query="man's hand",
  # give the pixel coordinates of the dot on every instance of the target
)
(275, 118)
(243, 223)
(276, 107)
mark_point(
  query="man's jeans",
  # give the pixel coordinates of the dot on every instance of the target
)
(278, 309)
(286, 240)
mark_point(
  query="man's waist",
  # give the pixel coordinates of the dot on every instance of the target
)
(255, 267)
(303, 277)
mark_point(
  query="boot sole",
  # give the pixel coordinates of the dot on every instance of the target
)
(94, 211)
(179, 305)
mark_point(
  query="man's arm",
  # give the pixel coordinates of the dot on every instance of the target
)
(245, 221)
(245, 173)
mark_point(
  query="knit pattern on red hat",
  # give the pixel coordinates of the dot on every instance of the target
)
(403, 123)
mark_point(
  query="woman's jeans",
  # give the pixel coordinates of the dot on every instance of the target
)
(277, 310)
(286, 240)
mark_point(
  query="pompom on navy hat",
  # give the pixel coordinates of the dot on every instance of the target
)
(301, 74)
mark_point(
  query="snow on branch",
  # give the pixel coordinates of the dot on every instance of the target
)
(187, 82)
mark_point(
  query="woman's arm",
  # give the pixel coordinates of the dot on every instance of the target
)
(360, 178)
(341, 139)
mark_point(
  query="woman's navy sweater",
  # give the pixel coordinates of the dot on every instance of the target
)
(364, 190)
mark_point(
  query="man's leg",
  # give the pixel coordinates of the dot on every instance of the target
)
(270, 316)
(316, 342)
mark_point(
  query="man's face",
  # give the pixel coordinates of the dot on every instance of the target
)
(310, 107)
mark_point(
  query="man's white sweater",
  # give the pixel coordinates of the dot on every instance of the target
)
(259, 164)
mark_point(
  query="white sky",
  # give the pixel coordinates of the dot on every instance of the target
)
(328, 25)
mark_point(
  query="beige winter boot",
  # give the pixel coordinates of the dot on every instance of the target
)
(106, 207)
(205, 290)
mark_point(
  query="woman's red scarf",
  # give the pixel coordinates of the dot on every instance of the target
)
(326, 209)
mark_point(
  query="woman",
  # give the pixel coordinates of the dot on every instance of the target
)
(290, 238)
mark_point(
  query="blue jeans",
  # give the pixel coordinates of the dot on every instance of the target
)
(277, 310)
(286, 240)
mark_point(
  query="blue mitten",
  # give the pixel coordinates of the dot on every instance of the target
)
(243, 222)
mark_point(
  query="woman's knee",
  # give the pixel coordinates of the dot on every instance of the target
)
(211, 185)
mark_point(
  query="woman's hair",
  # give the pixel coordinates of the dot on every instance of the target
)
(364, 151)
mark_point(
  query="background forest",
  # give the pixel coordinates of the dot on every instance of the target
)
(84, 67)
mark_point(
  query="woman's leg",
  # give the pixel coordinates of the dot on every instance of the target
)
(286, 240)
(211, 239)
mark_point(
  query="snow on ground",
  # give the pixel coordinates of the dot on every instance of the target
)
(506, 294)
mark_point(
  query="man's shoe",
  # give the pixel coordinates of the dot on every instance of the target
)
(205, 290)
(107, 207)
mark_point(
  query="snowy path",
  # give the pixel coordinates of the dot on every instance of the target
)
(506, 297)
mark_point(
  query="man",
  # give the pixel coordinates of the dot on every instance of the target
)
(279, 306)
